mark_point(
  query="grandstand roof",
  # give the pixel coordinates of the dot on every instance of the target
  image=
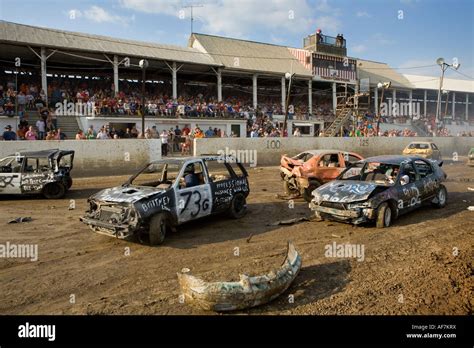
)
(21, 34)
(381, 72)
(432, 82)
(252, 56)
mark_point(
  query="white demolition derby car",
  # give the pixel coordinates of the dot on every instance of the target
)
(46, 172)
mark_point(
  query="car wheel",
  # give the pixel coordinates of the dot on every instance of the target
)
(441, 197)
(69, 182)
(158, 225)
(238, 206)
(307, 193)
(54, 190)
(384, 215)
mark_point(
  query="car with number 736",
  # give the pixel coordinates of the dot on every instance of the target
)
(168, 193)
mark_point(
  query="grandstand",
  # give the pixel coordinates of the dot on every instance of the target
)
(215, 82)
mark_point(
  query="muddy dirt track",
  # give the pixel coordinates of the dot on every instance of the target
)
(409, 268)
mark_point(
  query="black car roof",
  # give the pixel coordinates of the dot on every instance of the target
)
(392, 159)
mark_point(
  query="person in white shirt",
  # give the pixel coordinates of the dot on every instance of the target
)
(164, 142)
(102, 135)
(297, 132)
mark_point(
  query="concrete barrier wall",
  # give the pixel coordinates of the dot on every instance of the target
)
(96, 157)
(269, 150)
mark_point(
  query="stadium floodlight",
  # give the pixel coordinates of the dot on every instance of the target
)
(288, 76)
(143, 64)
(444, 66)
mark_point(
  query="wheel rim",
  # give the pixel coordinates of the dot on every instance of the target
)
(162, 228)
(441, 196)
(387, 216)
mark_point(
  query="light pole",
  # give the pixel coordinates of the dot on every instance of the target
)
(143, 65)
(383, 86)
(444, 66)
(288, 76)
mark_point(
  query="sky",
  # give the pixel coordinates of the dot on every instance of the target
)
(406, 34)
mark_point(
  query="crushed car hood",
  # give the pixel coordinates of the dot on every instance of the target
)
(345, 191)
(126, 194)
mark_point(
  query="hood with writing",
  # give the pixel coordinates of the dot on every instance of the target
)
(344, 191)
(126, 194)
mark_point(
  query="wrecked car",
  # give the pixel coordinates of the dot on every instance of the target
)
(380, 189)
(426, 149)
(246, 293)
(168, 193)
(470, 157)
(308, 170)
(46, 172)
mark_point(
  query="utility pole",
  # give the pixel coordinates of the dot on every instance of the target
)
(192, 6)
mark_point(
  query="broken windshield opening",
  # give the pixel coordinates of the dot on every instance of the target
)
(159, 175)
(379, 173)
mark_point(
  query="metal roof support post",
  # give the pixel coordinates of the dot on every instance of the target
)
(283, 93)
(334, 98)
(255, 101)
(116, 76)
(310, 98)
(174, 71)
(44, 80)
(376, 100)
(424, 102)
(467, 106)
(175, 81)
(410, 101)
(454, 105)
(219, 84)
(394, 98)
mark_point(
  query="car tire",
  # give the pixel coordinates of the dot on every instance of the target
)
(158, 226)
(54, 190)
(441, 198)
(238, 206)
(69, 182)
(384, 215)
(314, 184)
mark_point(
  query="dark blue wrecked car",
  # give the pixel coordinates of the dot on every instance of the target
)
(380, 189)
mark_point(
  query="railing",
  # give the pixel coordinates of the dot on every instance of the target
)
(324, 40)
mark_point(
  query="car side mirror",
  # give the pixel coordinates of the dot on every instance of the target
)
(405, 179)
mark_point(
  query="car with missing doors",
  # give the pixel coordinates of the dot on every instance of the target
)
(46, 172)
(310, 169)
(167, 193)
(380, 189)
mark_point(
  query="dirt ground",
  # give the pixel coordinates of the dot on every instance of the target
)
(423, 264)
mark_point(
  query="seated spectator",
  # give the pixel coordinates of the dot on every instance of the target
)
(30, 134)
(8, 134)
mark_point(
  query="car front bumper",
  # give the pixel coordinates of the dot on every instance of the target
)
(120, 231)
(355, 216)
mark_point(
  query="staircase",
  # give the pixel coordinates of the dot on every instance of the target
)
(68, 125)
(344, 109)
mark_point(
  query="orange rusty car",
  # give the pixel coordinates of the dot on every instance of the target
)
(306, 171)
